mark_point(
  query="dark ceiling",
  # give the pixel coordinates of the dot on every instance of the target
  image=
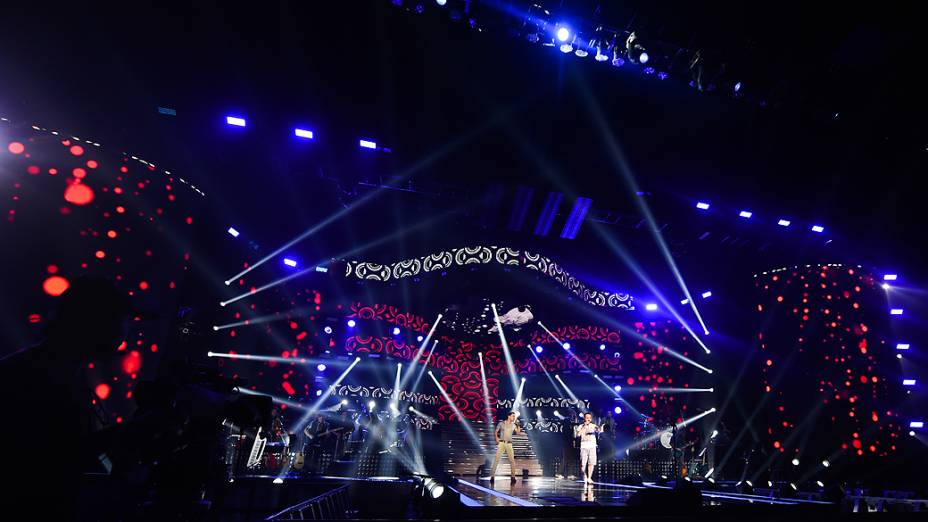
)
(469, 114)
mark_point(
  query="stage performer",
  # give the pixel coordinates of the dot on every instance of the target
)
(587, 433)
(504, 431)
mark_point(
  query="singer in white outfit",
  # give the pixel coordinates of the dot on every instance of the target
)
(587, 433)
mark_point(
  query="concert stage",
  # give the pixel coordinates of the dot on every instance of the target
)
(537, 498)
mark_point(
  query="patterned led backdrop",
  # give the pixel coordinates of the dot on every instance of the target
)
(71, 207)
(825, 370)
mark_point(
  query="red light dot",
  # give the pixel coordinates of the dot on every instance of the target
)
(53, 172)
(769, 362)
(79, 173)
(111, 234)
(143, 285)
(117, 190)
(100, 254)
(102, 390)
(154, 348)
(55, 285)
(776, 444)
(16, 147)
(35, 318)
(33, 169)
(78, 194)
(132, 362)
(120, 209)
(91, 164)
(52, 269)
(77, 150)
(189, 220)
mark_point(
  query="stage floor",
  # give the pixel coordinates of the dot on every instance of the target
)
(545, 492)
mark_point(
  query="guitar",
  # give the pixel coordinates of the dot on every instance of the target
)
(310, 436)
(679, 452)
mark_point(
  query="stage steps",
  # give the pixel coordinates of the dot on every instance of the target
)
(464, 457)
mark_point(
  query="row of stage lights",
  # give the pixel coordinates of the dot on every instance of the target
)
(306, 134)
(747, 214)
(902, 346)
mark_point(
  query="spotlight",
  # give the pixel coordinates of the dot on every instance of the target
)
(432, 488)
(441, 2)
(322, 269)
(793, 485)
(895, 311)
(650, 307)
(581, 52)
(617, 410)
(290, 262)
(826, 463)
(233, 232)
(890, 277)
(351, 323)
(567, 346)
(563, 34)
(236, 121)
(885, 286)
(602, 347)
(396, 330)
(702, 206)
(908, 382)
(278, 480)
(371, 405)
(817, 228)
(318, 393)
(707, 294)
(685, 302)
(320, 367)
(783, 222)
(344, 402)
(419, 338)
(644, 57)
(617, 387)
(539, 349)
(795, 462)
(746, 214)
(327, 329)
(820, 484)
(538, 413)
(303, 133)
(365, 144)
(737, 86)
(917, 424)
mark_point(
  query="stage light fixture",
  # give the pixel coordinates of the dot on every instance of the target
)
(567, 346)
(908, 382)
(351, 323)
(890, 277)
(322, 269)
(371, 405)
(617, 387)
(602, 347)
(321, 367)
(539, 349)
(650, 307)
(235, 121)
(885, 286)
(783, 222)
(820, 483)
(917, 424)
(303, 133)
(902, 346)
(818, 228)
(685, 301)
(396, 330)
(563, 34)
(441, 2)
(795, 462)
(538, 413)
(278, 480)
(233, 232)
(643, 58)
(707, 294)
(327, 329)
(366, 144)
(617, 410)
(738, 87)
(318, 393)
(290, 262)
(896, 311)
(344, 402)
(745, 214)
(826, 463)
(702, 206)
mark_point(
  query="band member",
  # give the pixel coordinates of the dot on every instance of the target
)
(587, 433)
(503, 433)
